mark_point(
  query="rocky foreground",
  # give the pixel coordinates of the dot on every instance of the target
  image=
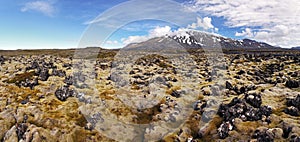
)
(239, 96)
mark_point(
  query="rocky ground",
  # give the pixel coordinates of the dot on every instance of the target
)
(197, 96)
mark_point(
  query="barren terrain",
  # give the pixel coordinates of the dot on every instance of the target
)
(52, 95)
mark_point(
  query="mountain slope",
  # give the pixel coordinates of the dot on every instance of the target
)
(203, 39)
(197, 39)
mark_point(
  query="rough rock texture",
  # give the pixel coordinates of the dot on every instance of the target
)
(237, 97)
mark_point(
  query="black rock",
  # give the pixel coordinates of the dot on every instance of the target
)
(2, 60)
(293, 102)
(235, 101)
(224, 129)
(254, 99)
(292, 111)
(175, 94)
(67, 65)
(263, 136)
(242, 90)
(69, 80)
(34, 65)
(21, 129)
(238, 108)
(253, 114)
(64, 92)
(23, 102)
(293, 106)
(59, 73)
(28, 83)
(44, 74)
(241, 72)
(232, 110)
(286, 130)
(292, 84)
(266, 110)
(228, 85)
(295, 138)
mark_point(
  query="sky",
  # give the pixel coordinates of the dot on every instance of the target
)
(52, 24)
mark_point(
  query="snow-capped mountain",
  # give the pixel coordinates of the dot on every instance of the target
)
(203, 39)
(198, 39)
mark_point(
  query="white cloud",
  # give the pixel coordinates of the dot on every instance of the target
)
(204, 23)
(156, 32)
(45, 7)
(246, 33)
(160, 31)
(274, 21)
(110, 42)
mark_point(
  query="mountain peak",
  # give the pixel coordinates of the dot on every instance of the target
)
(204, 39)
(200, 39)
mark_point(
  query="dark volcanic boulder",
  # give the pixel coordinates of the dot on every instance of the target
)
(175, 94)
(59, 73)
(2, 60)
(44, 74)
(292, 84)
(228, 85)
(21, 129)
(69, 80)
(64, 92)
(224, 129)
(263, 135)
(31, 83)
(253, 99)
(247, 109)
(295, 138)
(293, 106)
(293, 102)
(253, 114)
(292, 111)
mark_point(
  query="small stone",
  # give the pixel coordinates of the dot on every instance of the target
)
(295, 138)
(254, 99)
(175, 94)
(292, 84)
(64, 92)
(21, 129)
(224, 129)
(44, 74)
(229, 85)
(292, 111)
(263, 135)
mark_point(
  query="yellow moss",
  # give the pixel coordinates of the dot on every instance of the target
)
(247, 127)
(21, 77)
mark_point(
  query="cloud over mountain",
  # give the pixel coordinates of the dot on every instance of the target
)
(273, 21)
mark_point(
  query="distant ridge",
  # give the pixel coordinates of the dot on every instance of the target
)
(296, 48)
(198, 39)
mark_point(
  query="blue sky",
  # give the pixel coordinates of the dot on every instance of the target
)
(36, 24)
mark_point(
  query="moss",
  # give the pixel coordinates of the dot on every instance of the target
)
(79, 135)
(107, 94)
(146, 115)
(21, 77)
(107, 55)
(81, 121)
